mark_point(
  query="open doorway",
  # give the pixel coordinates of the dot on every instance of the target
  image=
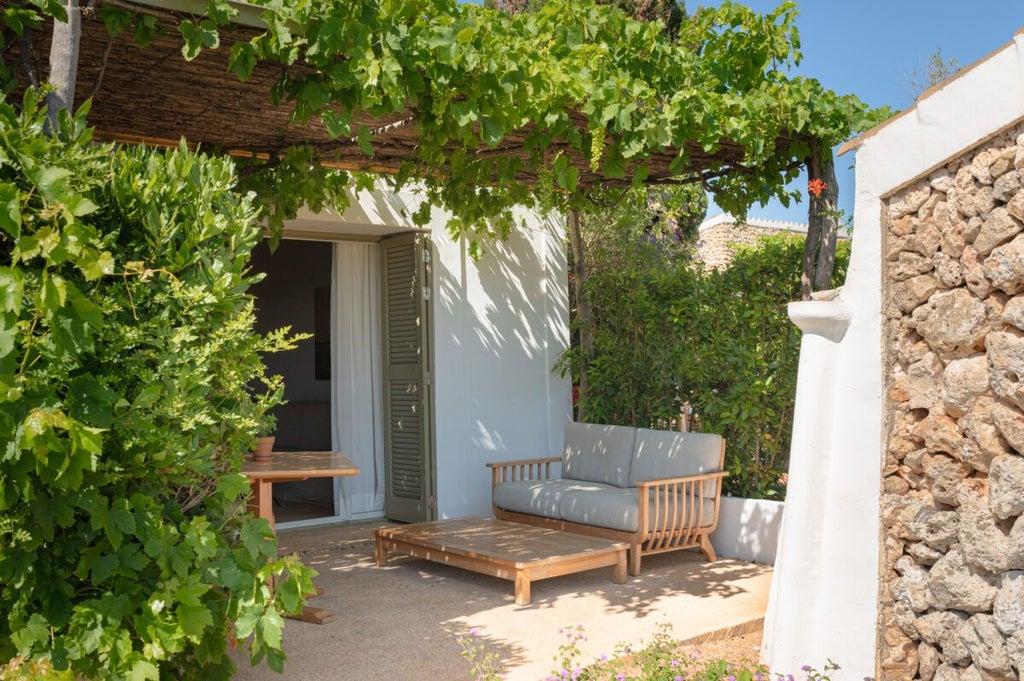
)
(296, 292)
(361, 385)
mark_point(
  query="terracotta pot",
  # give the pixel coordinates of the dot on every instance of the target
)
(264, 447)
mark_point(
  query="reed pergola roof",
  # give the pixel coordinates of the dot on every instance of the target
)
(153, 95)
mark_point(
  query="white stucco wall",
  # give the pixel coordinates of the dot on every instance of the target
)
(500, 324)
(748, 529)
(823, 602)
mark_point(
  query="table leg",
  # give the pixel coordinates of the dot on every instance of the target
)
(262, 503)
(380, 552)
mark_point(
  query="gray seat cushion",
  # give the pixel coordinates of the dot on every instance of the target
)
(617, 509)
(660, 454)
(597, 453)
(540, 497)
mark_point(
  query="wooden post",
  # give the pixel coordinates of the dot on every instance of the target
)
(822, 222)
(63, 63)
(584, 318)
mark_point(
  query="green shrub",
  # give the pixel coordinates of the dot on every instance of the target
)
(127, 360)
(667, 335)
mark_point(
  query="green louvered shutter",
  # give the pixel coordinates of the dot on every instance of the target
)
(408, 437)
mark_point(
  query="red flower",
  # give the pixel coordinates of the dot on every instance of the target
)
(816, 186)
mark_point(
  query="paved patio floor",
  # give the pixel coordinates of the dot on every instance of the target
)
(402, 621)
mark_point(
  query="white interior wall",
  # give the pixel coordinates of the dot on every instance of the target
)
(827, 608)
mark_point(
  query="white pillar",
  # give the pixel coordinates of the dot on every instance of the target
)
(806, 621)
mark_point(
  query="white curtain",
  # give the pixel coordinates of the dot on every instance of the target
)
(356, 422)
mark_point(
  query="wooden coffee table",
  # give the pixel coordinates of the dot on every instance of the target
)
(513, 551)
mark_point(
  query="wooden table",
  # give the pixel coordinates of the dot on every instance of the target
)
(513, 551)
(291, 467)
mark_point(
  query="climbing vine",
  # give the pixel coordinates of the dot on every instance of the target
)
(589, 94)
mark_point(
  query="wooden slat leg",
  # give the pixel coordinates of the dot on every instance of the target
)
(634, 559)
(707, 549)
(619, 569)
(380, 552)
(522, 587)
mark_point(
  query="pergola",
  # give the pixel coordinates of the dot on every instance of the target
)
(152, 94)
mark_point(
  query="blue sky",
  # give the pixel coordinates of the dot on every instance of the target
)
(866, 47)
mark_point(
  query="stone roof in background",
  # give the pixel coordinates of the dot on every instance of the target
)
(719, 236)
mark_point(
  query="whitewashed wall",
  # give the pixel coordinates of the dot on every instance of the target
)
(823, 602)
(500, 324)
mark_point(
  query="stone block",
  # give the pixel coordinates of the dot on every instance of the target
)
(1004, 267)
(1006, 486)
(1008, 607)
(963, 381)
(987, 647)
(953, 323)
(955, 585)
(1005, 353)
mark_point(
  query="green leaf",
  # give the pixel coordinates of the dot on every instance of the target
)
(194, 620)
(492, 130)
(143, 670)
(192, 593)
(269, 628)
(103, 567)
(565, 175)
(338, 123)
(12, 290)
(10, 209)
(198, 36)
(242, 60)
(51, 182)
(258, 539)
(92, 402)
(364, 140)
(35, 632)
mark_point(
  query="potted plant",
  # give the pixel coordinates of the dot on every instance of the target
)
(265, 437)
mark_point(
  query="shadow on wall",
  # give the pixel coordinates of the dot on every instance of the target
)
(506, 323)
(748, 529)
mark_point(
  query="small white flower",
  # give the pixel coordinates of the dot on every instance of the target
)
(156, 606)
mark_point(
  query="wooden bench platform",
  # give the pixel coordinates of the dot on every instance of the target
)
(513, 551)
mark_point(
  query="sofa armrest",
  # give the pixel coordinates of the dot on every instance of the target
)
(674, 505)
(686, 479)
(522, 469)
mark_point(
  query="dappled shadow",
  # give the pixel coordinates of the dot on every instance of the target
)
(403, 620)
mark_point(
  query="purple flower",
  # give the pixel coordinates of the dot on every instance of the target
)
(730, 678)
(620, 677)
(474, 631)
(789, 677)
(603, 657)
(675, 663)
(805, 668)
(677, 678)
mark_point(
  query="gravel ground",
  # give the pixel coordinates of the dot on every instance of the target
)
(742, 649)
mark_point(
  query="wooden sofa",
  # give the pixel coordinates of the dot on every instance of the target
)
(605, 473)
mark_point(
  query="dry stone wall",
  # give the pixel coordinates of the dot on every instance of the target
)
(952, 588)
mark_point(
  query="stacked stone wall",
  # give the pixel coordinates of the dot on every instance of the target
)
(717, 246)
(952, 588)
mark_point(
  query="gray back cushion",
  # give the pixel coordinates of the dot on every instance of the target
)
(662, 454)
(597, 453)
